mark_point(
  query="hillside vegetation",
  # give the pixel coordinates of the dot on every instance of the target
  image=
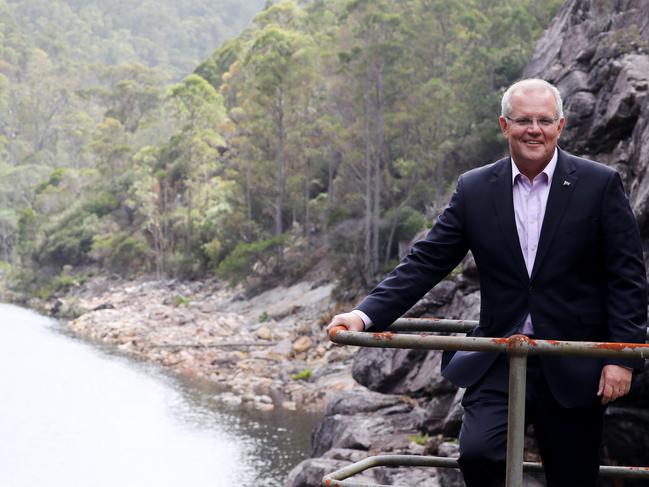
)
(336, 124)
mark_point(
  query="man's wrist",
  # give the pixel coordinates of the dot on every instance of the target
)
(367, 322)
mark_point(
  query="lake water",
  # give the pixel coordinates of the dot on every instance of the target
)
(75, 415)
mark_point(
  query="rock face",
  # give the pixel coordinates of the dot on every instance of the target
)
(597, 53)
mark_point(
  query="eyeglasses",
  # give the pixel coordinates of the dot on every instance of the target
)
(529, 121)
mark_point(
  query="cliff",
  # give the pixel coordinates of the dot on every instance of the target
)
(597, 53)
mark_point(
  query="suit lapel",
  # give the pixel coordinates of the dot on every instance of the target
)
(501, 187)
(563, 184)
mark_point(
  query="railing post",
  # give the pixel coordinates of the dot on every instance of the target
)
(518, 348)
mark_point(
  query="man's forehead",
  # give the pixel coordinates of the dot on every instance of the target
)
(533, 99)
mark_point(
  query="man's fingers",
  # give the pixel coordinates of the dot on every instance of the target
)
(600, 389)
(349, 321)
(614, 382)
(335, 329)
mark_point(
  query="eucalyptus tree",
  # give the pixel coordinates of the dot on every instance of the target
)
(278, 76)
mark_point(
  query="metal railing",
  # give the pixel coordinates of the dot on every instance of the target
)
(518, 347)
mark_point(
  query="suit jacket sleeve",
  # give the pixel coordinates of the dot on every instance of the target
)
(427, 263)
(626, 285)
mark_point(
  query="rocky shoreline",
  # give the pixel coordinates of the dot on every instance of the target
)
(268, 351)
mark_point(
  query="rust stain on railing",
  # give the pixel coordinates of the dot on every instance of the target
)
(384, 335)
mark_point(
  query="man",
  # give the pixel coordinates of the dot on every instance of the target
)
(559, 256)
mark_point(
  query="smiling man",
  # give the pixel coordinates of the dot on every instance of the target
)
(559, 256)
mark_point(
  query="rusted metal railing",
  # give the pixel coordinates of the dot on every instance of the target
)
(518, 347)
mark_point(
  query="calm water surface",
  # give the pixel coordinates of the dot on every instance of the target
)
(73, 415)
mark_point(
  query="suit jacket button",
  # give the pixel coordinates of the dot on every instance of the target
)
(530, 290)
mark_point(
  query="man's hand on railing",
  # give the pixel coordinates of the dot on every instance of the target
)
(348, 321)
(614, 382)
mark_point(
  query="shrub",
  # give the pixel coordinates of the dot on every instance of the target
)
(180, 301)
(420, 438)
(239, 263)
(69, 239)
(121, 252)
(302, 375)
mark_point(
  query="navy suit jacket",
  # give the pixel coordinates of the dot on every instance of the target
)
(588, 281)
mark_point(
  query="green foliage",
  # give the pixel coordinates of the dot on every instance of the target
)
(220, 62)
(420, 438)
(54, 180)
(240, 263)
(341, 122)
(68, 239)
(179, 301)
(409, 223)
(264, 317)
(62, 283)
(58, 285)
(304, 375)
(101, 203)
(121, 252)
(161, 33)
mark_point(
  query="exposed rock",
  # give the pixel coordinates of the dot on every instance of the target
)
(289, 405)
(302, 344)
(437, 412)
(449, 477)
(207, 334)
(421, 477)
(625, 435)
(229, 399)
(439, 296)
(400, 371)
(463, 307)
(284, 347)
(364, 420)
(310, 472)
(598, 55)
(453, 420)
(264, 333)
(346, 454)
(363, 401)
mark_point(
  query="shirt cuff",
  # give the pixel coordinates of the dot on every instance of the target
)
(366, 319)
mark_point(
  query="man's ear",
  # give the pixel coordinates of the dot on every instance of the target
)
(504, 128)
(562, 124)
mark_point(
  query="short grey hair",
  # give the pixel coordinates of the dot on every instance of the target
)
(531, 84)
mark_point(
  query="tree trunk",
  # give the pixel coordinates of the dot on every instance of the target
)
(368, 185)
(376, 213)
(248, 195)
(307, 197)
(280, 179)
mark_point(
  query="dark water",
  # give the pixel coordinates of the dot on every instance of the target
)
(73, 415)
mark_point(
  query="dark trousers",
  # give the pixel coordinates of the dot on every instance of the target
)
(568, 438)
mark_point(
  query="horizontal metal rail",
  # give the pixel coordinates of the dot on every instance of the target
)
(389, 339)
(518, 347)
(435, 325)
(335, 478)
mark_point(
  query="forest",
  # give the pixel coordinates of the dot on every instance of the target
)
(188, 140)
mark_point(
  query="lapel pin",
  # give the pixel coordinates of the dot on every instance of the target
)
(566, 183)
